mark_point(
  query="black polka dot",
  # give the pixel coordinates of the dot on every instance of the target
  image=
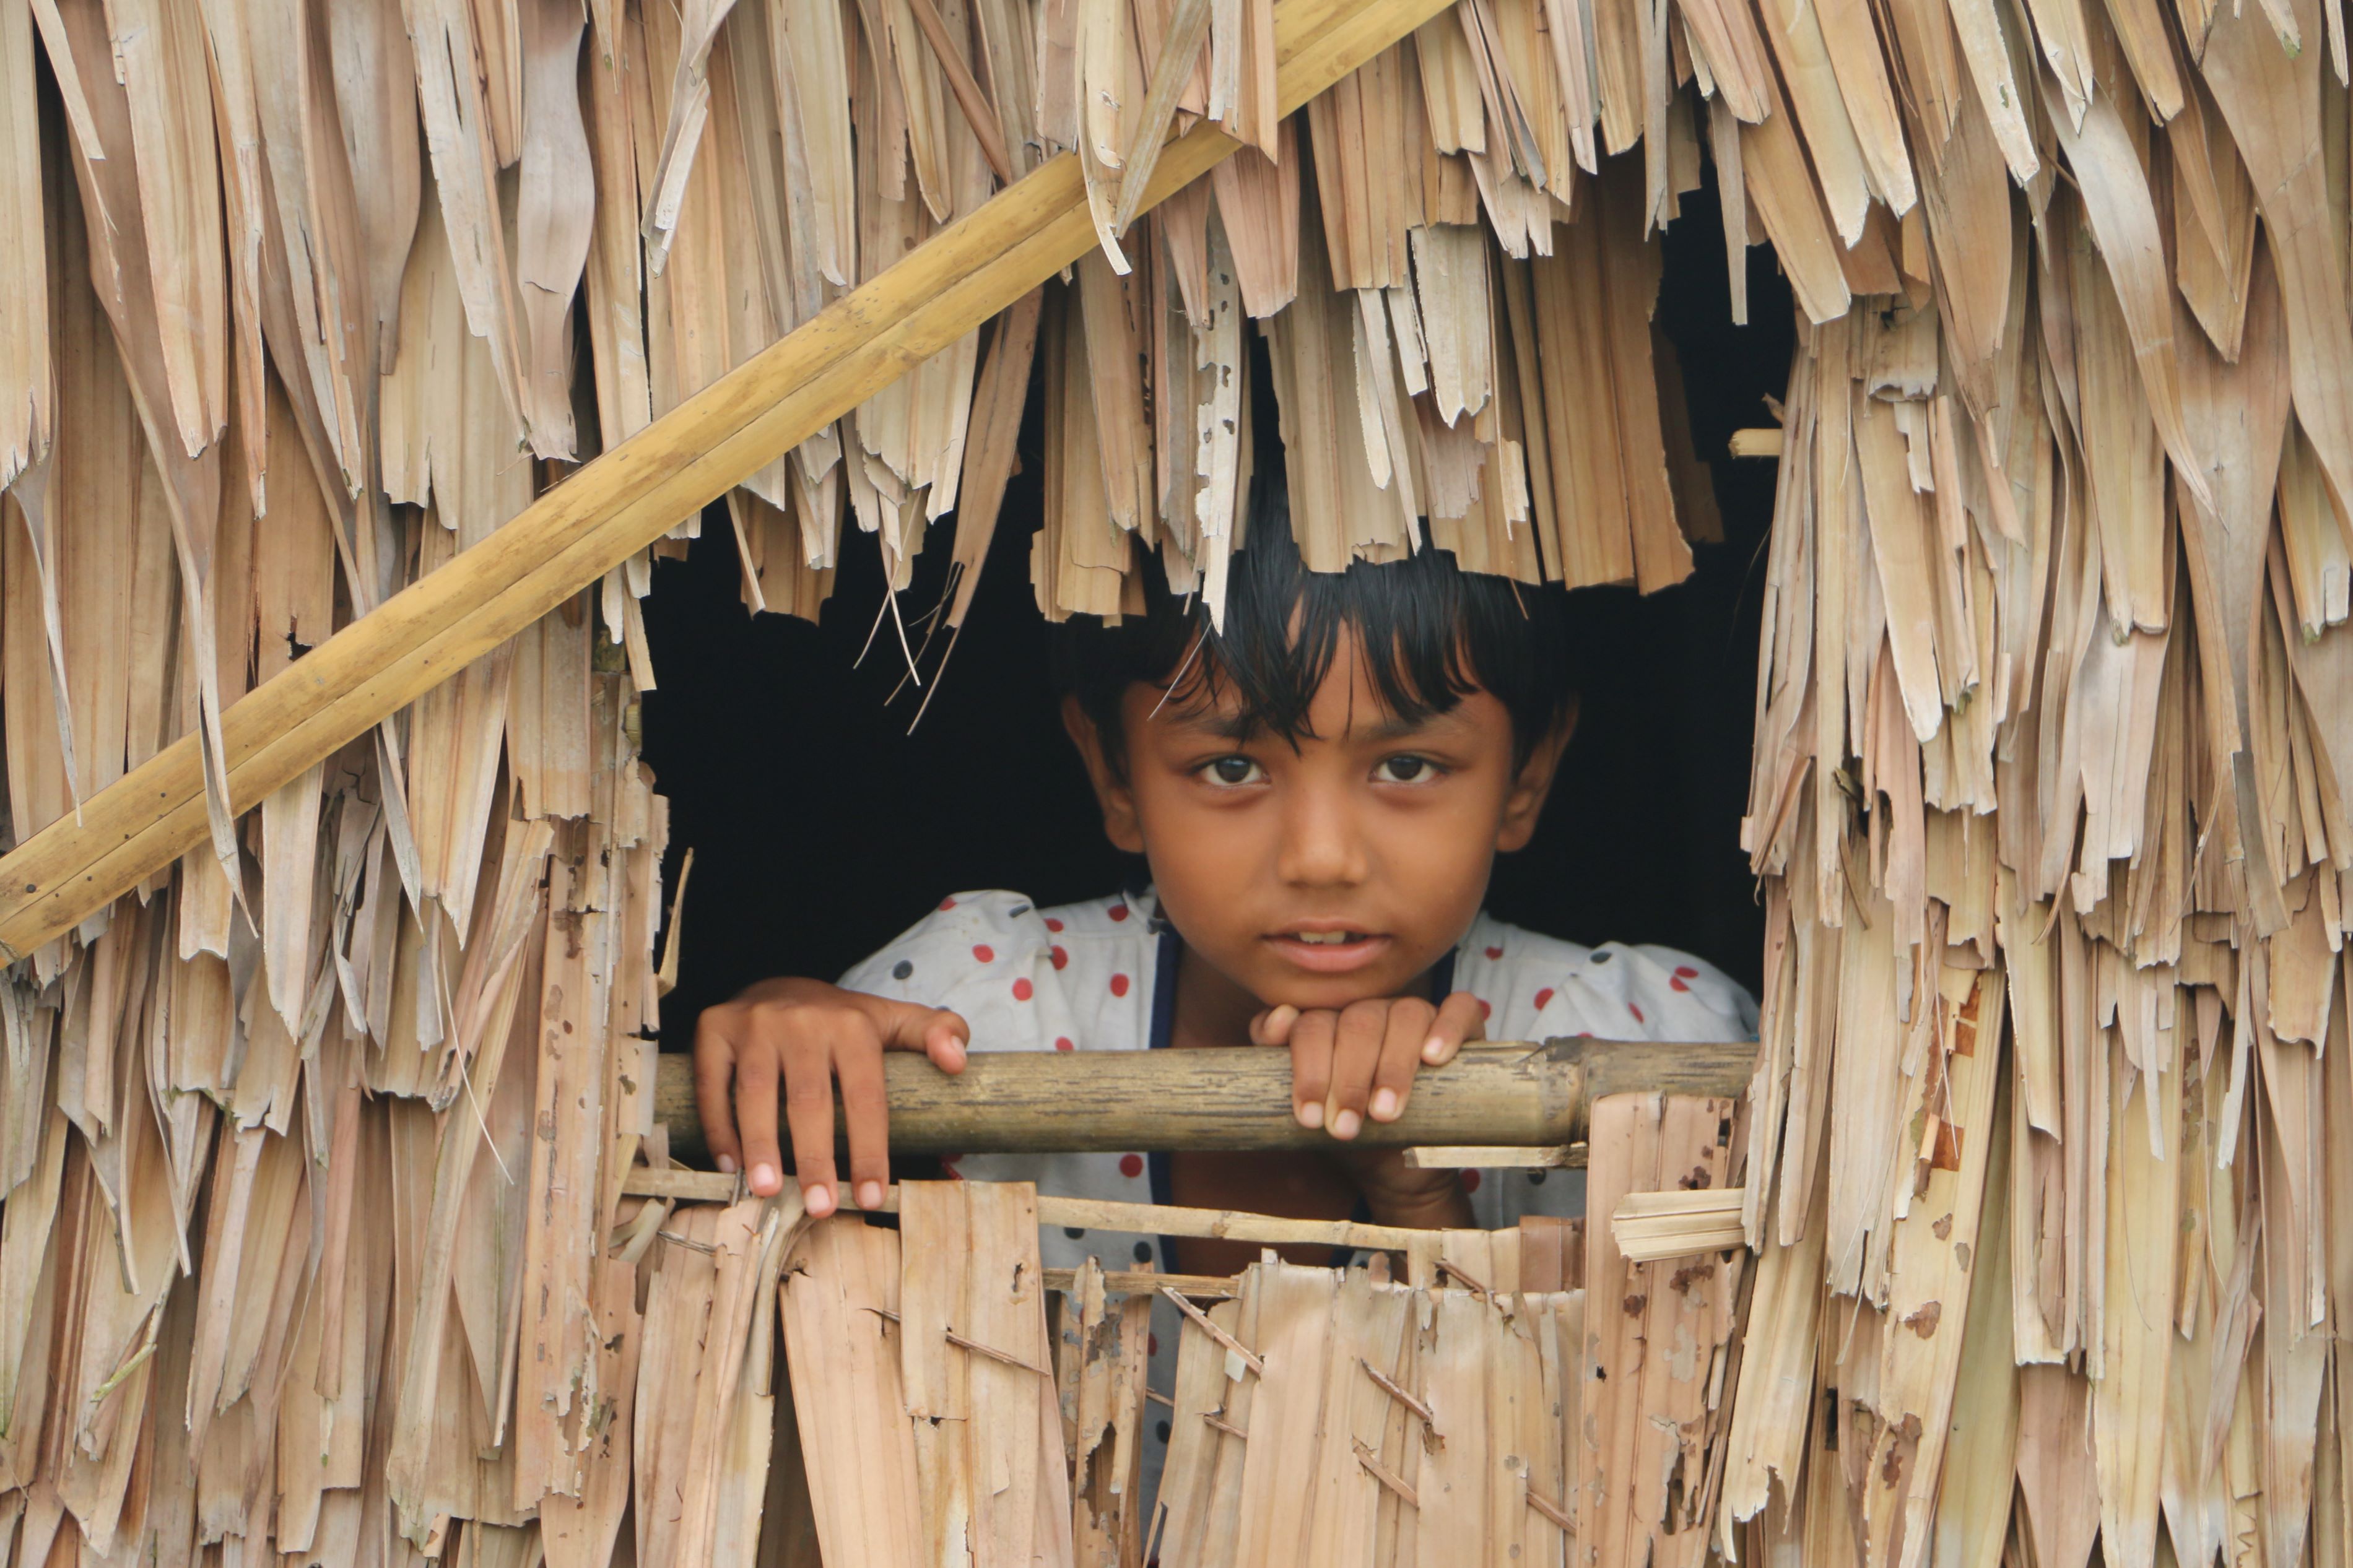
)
(1073, 1232)
(901, 970)
(1162, 1430)
(1601, 957)
(1536, 1178)
(1143, 1252)
(1018, 910)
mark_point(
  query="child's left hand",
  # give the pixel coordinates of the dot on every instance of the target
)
(1359, 1060)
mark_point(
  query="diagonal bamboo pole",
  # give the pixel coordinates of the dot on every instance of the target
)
(616, 505)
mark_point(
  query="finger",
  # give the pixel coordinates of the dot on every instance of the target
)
(755, 1116)
(1273, 1026)
(866, 1116)
(808, 1114)
(1409, 1023)
(1460, 1018)
(939, 1034)
(714, 1076)
(1355, 1052)
(1311, 1065)
(947, 1040)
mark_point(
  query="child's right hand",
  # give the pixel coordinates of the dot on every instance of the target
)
(800, 1036)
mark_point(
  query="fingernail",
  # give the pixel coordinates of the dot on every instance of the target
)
(1311, 1114)
(764, 1179)
(1344, 1125)
(1384, 1104)
(1433, 1049)
(869, 1194)
(818, 1201)
(726, 1164)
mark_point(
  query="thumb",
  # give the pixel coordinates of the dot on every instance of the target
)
(939, 1034)
(1273, 1028)
(1460, 1018)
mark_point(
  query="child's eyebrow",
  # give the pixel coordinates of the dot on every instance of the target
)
(1397, 729)
(1224, 724)
(1237, 725)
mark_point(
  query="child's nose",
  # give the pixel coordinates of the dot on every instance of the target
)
(1320, 847)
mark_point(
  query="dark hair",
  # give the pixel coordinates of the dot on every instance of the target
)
(1431, 634)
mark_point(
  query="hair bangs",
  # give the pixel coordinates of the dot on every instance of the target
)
(1427, 635)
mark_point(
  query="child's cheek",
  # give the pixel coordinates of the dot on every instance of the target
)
(1440, 863)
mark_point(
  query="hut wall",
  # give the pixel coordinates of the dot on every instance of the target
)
(311, 1233)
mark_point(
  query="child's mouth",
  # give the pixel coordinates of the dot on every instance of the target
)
(1329, 951)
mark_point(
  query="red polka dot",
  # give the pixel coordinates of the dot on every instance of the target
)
(947, 904)
(1064, 1043)
(1637, 1011)
(1686, 971)
(1494, 952)
(1677, 981)
(1053, 924)
(1469, 1181)
(1131, 1164)
(1119, 985)
(1544, 996)
(948, 1165)
(1151, 1344)
(1021, 990)
(1485, 1011)
(1119, 912)
(985, 953)
(1060, 958)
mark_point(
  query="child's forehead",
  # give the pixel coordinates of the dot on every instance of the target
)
(1344, 672)
(1347, 705)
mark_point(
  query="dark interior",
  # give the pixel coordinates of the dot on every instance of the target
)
(824, 828)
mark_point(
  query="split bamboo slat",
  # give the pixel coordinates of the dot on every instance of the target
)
(337, 1217)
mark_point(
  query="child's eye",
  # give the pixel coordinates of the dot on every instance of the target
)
(1231, 771)
(1406, 770)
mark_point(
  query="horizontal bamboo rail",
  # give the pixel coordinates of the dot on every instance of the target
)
(1514, 1096)
(621, 503)
(1085, 1214)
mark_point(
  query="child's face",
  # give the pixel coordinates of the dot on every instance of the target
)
(1333, 872)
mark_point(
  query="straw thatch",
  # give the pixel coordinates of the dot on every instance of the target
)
(313, 1149)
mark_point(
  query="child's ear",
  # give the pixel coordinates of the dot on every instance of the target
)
(1113, 792)
(1525, 805)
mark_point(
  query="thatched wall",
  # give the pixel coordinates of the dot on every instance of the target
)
(2048, 1167)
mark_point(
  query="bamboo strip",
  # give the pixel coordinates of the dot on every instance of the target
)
(25, 371)
(1648, 1227)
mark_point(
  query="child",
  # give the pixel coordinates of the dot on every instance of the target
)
(1319, 787)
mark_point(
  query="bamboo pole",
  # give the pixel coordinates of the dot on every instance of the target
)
(1515, 1096)
(1086, 1214)
(571, 536)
